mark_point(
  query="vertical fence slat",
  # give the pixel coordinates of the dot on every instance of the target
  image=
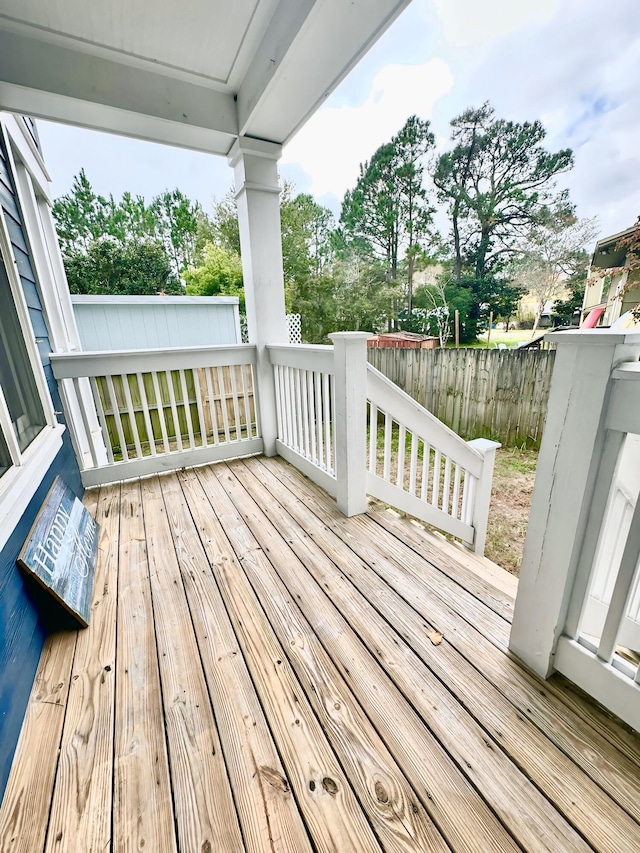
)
(277, 376)
(305, 413)
(200, 407)
(402, 436)
(373, 437)
(223, 404)
(388, 430)
(413, 465)
(234, 395)
(319, 419)
(426, 458)
(101, 417)
(160, 409)
(327, 420)
(245, 397)
(477, 392)
(145, 414)
(312, 417)
(455, 503)
(212, 405)
(115, 408)
(622, 589)
(446, 489)
(435, 491)
(187, 408)
(85, 422)
(133, 424)
(174, 409)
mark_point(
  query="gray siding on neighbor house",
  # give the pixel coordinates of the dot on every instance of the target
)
(151, 322)
(25, 614)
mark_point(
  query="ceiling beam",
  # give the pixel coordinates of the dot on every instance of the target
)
(309, 48)
(58, 83)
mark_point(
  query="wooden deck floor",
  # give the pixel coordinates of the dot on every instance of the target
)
(263, 674)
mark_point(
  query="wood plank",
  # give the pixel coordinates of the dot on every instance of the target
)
(82, 798)
(583, 803)
(463, 817)
(358, 530)
(411, 535)
(503, 786)
(332, 813)
(204, 810)
(541, 702)
(393, 807)
(143, 811)
(27, 797)
(24, 810)
(267, 810)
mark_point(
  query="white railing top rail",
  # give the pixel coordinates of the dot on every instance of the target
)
(389, 397)
(314, 357)
(74, 365)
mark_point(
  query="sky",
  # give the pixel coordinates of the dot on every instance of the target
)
(573, 64)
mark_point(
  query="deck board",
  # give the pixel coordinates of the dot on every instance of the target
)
(258, 675)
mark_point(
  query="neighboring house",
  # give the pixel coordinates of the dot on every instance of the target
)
(616, 292)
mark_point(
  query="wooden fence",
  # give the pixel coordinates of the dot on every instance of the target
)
(479, 393)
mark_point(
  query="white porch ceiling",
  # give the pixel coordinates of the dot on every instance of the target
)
(195, 73)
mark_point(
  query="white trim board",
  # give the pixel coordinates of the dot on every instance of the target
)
(20, 483)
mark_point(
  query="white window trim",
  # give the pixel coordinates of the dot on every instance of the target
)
(20, 483)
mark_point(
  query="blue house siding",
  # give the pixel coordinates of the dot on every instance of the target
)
(25, 613)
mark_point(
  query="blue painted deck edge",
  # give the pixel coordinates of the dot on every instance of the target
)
(24, 628)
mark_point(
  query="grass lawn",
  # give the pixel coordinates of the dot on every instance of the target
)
(510, 504)
(509, 339)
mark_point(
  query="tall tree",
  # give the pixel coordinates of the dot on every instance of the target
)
(551, 253)
(107, 267)
(497, 181)
(388, 209)
(176, 221)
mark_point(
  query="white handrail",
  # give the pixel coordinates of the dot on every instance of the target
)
(164, 409)
(325, 396)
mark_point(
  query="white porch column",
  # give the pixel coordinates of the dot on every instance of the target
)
(257, 193)
(570, 455)
(350, 420)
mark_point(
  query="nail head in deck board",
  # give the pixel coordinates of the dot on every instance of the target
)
(82, 796)
(595, 815)
(341, 611)
(401, 823)
(60, 551)
(267, 810)
(204, 808)
(335, 823)
(540, 702)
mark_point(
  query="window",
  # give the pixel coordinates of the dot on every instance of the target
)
(21, 410)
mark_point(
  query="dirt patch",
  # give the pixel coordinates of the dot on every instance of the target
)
(513, 480)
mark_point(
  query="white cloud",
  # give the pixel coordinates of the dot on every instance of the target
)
(471, 22)
(336, 140)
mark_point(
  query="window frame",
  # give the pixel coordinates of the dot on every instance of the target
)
(29, 467)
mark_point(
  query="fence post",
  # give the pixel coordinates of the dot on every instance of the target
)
(572, 447)
(482, 497)
(350, 420)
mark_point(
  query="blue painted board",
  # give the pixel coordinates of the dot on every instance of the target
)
(61, 551)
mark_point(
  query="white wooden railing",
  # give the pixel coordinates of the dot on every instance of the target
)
(304, 378)
(420, 466)
(329, 398)
(578, 604)
(163, 409)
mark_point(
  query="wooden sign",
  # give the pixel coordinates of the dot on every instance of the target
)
(61, 551)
